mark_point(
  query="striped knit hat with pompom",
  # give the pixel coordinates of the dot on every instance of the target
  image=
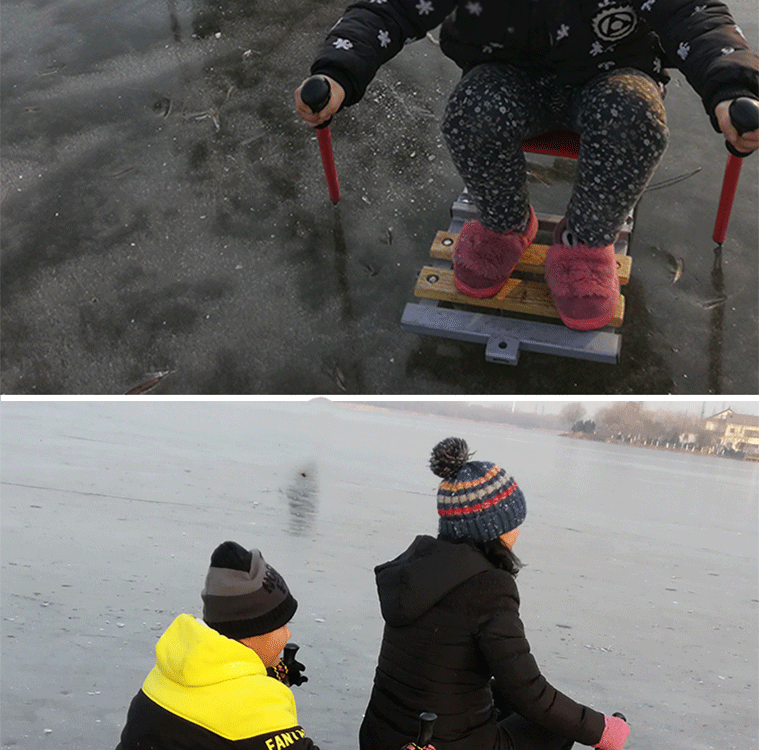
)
(476, 500)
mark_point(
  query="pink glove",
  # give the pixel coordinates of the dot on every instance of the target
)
(615, 734)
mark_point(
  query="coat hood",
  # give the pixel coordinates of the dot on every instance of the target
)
(217, 683)
(191, 654)
(429, 569)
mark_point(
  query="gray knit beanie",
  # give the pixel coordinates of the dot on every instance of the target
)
(244, 596)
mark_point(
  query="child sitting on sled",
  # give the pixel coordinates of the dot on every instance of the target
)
(221, 682)
(594, 66)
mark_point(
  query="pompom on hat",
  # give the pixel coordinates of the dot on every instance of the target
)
(476, 500)
(243, 595)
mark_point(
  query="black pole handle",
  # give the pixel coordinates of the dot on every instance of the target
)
(289, 656)
(315, 94)
(426, 724)
(620, 715)
(744, 114)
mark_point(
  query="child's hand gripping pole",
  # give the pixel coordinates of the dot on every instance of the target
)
(744, 114)
(316, 94)
(426, 725)
(615, 733)
(288, 671)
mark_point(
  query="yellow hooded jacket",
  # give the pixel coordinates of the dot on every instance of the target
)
(207, 691)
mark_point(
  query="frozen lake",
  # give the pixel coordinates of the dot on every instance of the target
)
(639, 594)
(140, 234)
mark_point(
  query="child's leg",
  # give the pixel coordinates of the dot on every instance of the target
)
(621, 119)
(492, 109)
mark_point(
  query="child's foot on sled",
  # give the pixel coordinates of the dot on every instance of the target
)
(583, 282)
(483, 259)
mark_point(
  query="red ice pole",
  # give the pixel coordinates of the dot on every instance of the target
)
(729, 186)
(315, 94)
(328, 160)
(744, 115)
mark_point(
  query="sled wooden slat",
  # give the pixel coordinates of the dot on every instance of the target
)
(533, 260)
(518, 295)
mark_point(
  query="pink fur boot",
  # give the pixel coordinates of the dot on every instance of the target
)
(583, 283)
(484, 259)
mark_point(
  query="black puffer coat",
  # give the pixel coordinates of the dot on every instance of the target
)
(452, 622)
(577, 39)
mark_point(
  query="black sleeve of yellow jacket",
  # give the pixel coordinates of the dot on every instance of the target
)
(151, 727)
(502, 641)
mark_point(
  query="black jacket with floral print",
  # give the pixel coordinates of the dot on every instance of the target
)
(577, 39)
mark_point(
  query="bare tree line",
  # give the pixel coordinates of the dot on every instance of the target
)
(634, 421)
(626, 420)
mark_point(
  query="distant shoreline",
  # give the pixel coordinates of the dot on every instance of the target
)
(669, 447)
(525, 424)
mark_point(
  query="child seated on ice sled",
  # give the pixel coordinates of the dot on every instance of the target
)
(593, 66)
(220, 682)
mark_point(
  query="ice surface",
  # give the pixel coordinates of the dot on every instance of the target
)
(640, 591)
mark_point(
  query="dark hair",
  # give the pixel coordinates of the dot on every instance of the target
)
(495, 552)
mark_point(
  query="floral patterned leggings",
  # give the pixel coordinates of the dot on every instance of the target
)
(620, 116)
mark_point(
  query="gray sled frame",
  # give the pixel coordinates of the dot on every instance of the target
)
(506, 337)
